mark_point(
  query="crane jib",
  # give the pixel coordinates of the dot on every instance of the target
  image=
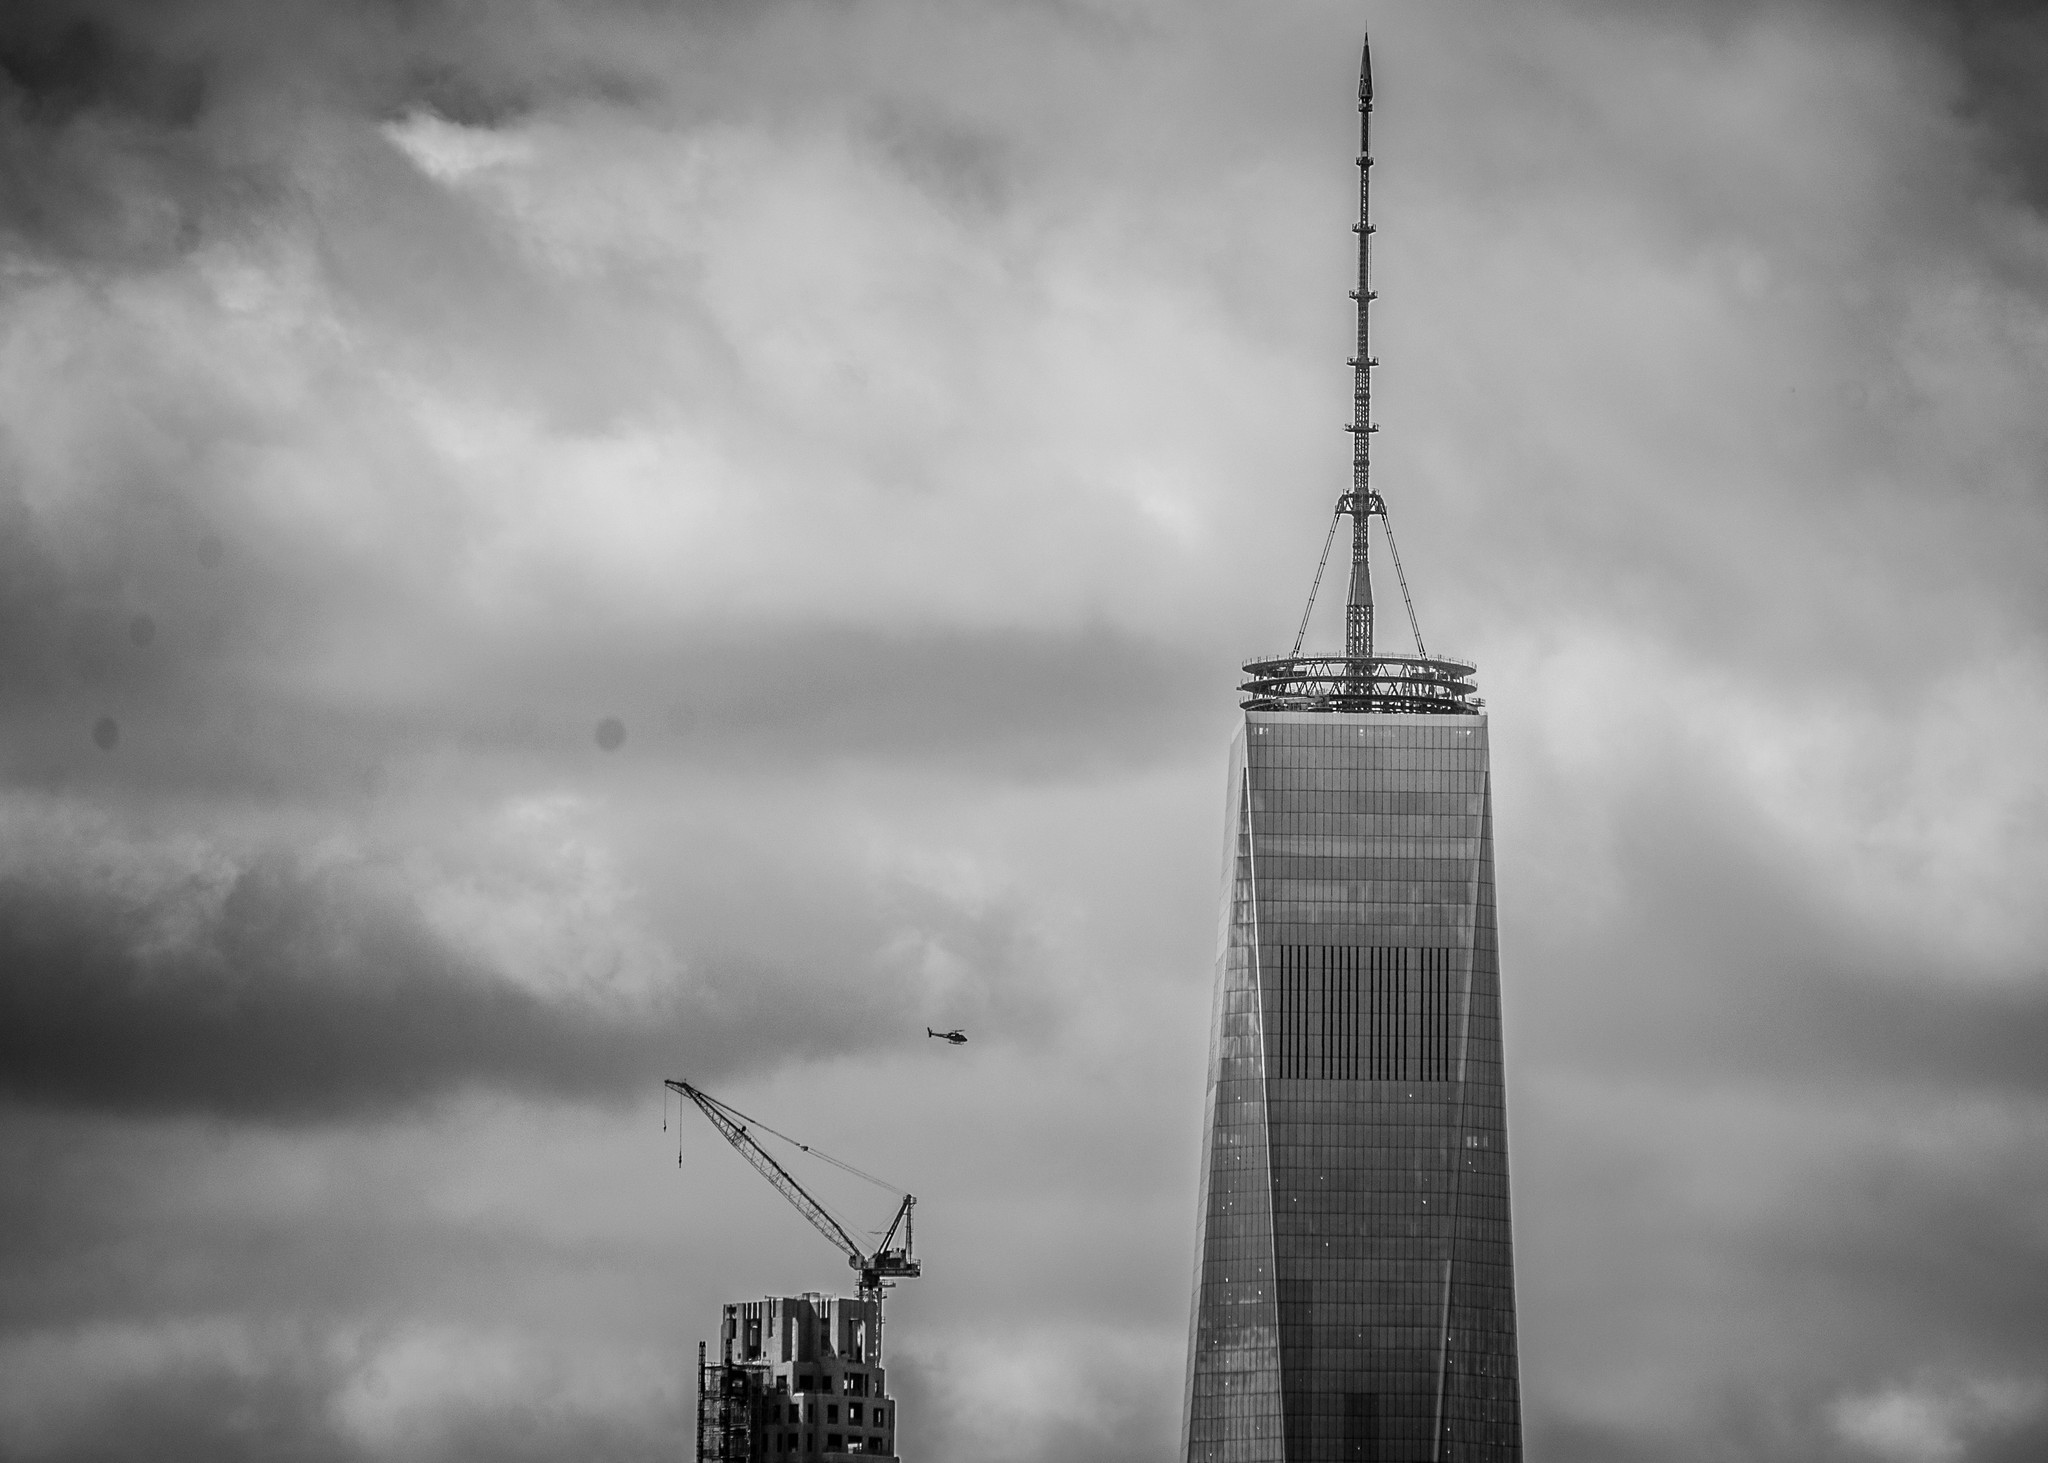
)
(875, 1266)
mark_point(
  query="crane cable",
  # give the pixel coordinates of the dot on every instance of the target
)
(749, 1124)
(858, 1173)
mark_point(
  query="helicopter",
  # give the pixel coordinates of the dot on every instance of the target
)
(956, 1035)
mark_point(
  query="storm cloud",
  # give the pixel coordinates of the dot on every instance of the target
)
(545, 547)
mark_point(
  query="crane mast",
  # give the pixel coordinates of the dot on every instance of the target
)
(877, 1266)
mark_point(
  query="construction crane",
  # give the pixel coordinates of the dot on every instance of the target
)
(878, 1266)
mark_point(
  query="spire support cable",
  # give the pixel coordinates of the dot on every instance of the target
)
(1321, 564)
(1394, 551)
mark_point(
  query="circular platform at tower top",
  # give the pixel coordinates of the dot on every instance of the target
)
(1409, 685)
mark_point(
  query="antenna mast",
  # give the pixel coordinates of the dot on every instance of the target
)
(1361, 503)
(1362, 678)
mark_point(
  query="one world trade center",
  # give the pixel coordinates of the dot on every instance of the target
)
(1354, 1291)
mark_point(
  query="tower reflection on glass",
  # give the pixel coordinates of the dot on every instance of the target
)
(1354, 1287)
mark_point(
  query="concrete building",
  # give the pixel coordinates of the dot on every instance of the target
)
(796, 1376)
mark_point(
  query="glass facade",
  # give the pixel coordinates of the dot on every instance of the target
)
(1354, 1288)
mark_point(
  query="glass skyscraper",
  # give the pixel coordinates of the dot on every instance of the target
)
(1354, 1288)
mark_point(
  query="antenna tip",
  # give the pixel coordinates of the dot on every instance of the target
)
(1365, 72)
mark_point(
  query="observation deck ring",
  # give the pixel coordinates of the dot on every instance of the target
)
(1415, 685)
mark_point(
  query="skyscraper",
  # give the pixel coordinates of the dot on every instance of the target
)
(1354, 1287)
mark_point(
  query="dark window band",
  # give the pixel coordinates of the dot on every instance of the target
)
(1374, 1013)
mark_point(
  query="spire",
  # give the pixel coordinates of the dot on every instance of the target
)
(1361, 504)
(1362, 678)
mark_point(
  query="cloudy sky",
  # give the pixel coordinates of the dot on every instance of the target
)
(545, 546)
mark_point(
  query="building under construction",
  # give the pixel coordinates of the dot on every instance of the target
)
(796, 1374)
(801, 1374)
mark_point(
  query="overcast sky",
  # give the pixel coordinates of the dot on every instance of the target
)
(545, 546)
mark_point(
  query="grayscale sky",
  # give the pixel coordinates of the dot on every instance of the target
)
(900, 416)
